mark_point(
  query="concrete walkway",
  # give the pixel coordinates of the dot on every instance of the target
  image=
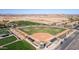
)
(5, 37)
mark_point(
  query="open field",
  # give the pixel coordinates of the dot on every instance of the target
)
(20, 45)
(50, 30)
(3, 31)
(25, 23)
(7, 40)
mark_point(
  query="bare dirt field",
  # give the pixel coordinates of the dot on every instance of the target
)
(41, 18)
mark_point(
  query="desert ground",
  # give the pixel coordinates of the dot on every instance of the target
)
(41, 18)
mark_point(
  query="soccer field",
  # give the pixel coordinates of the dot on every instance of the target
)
(51, 30)
(20, 45)
(7, 40)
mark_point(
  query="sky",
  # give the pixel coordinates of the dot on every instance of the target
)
(39, 11)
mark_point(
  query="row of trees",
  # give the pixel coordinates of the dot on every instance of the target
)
(3, 23)
(73, 20)
(6, 24)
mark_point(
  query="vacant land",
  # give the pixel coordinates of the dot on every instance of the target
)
(51, 30)
(7, 40)
(20, 45)
(41, 18)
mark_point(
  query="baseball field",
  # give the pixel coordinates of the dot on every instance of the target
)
(50, 30)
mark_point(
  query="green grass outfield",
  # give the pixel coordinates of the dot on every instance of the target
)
(7, 40)
(51, 30)
(20, 45)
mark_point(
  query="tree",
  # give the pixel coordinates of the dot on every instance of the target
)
(77, 19)
(71, 19)
(12, 24)
(2, 25)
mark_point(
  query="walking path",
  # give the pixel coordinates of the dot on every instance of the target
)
(5, 37)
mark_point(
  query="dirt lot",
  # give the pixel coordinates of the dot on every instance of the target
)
(41, 18)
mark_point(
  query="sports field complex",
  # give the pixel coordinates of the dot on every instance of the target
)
(28, 35)
(39, 36)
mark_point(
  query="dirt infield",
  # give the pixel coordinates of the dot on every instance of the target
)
(42, 37)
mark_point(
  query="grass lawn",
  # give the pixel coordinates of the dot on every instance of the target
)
(25, 23)
(51, 30)
(3, 31)
(20, 45)
(7, 40)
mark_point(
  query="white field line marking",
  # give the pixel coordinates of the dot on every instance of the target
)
(9, 43)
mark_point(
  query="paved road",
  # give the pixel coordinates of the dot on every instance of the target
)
(74, 45)
(68, 41)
